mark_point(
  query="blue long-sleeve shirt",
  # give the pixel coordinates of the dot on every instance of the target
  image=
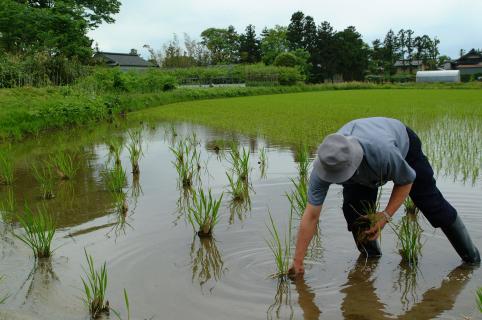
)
(385, 145)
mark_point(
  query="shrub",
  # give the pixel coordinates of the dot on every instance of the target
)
(286, 59)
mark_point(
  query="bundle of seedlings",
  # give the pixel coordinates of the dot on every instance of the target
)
(39, 231)
(302, 157)
(46, 179)
(135, 150)
(187, 163)
(64, 164)
(280, 248)
(409, 234)
(115, 179)
(95, 288)
(6, 168)
(203, 214)
(367, 219)
(239, 161)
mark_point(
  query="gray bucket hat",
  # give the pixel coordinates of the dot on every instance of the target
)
(338, 157)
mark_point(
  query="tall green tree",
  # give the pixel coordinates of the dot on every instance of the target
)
(249, 46)
(352, 54)
(223, 44)
(55, 27)
(325, 55)
(295, 31)
(273, 42)
(390, 52)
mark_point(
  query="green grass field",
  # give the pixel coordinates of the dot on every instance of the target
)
(307, 117)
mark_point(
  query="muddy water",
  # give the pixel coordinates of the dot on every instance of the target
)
(169, 273)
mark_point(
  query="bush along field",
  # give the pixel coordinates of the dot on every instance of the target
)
(105, 93)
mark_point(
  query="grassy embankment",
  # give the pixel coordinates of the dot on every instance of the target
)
(307, 117)
(27, 111)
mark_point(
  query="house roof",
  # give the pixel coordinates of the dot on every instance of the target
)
(406, 63)
(123, 59)
(465, 66)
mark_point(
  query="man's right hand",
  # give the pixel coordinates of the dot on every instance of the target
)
(297, 269)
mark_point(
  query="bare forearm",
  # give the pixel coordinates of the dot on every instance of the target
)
(399, 194)
(307, 228)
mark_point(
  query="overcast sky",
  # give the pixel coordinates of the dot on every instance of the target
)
(456, 23)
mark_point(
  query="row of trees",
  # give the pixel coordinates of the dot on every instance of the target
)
(319, 51)
(59, 29)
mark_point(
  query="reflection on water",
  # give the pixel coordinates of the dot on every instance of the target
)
(39, 280)
(407, 285)
(282, 306)
(206, 260)
(362, 301)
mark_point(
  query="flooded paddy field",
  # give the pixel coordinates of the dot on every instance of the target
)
(152, 251)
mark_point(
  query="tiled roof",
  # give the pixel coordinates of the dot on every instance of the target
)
(124, 59)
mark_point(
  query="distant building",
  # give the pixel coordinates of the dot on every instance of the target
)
(468, 64)
(407, 66)
(125, 61)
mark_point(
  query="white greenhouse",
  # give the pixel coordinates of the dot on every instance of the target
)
(438, 76)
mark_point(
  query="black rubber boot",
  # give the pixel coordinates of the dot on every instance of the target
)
(370, 248)
(461, 241)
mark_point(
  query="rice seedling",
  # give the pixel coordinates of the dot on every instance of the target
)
(120, 202)
(410, 207)
(479, 299)
(187, 163)
(115, 179)
(128, 309)
(239, 162)
(135, 150)
(95, 288)
(46, 179)
(39, 231)
(65, 165)
(280, 248)
(115, 149)
(303, 161)
(7, 169)
(298, 197)
(263, 161)
(8, 206)
(409, 234)
(238, 188)
(203, 214)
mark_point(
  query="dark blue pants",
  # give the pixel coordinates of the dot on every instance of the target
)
(425, 194)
